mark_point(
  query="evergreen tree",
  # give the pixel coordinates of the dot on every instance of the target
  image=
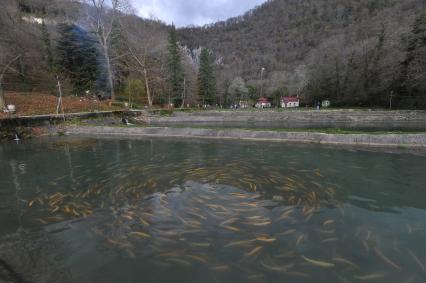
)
(206, 78)
(175, 76)
(78, 58)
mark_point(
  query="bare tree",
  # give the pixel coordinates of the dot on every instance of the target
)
(142, 64)
(101, 19)
(145, 41)
(5, 68)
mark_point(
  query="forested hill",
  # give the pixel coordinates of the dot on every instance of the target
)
(346, 50)
(354, 52)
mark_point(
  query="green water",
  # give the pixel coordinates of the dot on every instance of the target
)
(84, 210)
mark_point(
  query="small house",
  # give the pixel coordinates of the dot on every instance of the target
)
(263, 102)
(244, 104)
(290, 102)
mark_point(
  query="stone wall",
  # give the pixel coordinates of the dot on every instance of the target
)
(392, 140)
(44, 120)
(343, 119)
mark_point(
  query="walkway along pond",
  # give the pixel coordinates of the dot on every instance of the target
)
(77, 209)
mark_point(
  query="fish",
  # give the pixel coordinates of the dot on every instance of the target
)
(254, 251)
(55, 209)
(285, 215)
(196, 258)
(370, 276)
(31, 203)
(319, 263)
(42, 221)
(259, 224)
(67, 209)
(288, 232)
(75, 213)
(286, 255)
(200, 245)
(417, 260)
(318, 173)
(140, 234)
(266, 239)
(328, 222)
(231, 228)
(277, 268)
(386, 259)
(240, 243)
(308, 211)
(180, 261)
(345, 261)
(300, 239)
(230, 221)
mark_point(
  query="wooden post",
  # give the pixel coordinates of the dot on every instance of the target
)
(390, 100)
(60, 104)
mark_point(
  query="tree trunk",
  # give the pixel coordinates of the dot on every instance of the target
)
(148, 91)
(109, 72)
(2, 99)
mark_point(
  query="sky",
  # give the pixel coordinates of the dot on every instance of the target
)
(193, 12)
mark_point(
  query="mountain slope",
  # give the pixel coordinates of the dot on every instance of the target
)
(291, 38)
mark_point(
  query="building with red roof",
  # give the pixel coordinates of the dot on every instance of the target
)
(290, 102)
(263, 102)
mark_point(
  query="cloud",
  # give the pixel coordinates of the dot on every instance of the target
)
(193, 12)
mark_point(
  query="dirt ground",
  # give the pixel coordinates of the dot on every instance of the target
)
(42, 103)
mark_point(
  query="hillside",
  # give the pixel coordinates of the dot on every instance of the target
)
(354, 52)
(307, 42)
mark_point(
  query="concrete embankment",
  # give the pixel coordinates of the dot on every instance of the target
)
(385, 140)
(52, 119)
(268, 119)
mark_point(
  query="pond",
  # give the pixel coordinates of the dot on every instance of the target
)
(111, 210)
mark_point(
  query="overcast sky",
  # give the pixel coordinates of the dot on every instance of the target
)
(193, 12)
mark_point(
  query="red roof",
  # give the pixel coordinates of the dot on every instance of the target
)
(263, 100)
(288, 99)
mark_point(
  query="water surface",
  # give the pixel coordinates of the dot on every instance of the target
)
(109, 210)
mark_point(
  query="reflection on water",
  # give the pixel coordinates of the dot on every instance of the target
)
(162, 211)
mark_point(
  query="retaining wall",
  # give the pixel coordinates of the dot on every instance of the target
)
(388, 140)
(343, 119)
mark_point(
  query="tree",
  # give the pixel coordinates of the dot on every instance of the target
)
(47, 46)
(206, 78)
(413, 68)
(134, 87)
(3, 70)
(102, 20)
(120, 56)
(77, 58)
(238, 90)
(176, 75)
